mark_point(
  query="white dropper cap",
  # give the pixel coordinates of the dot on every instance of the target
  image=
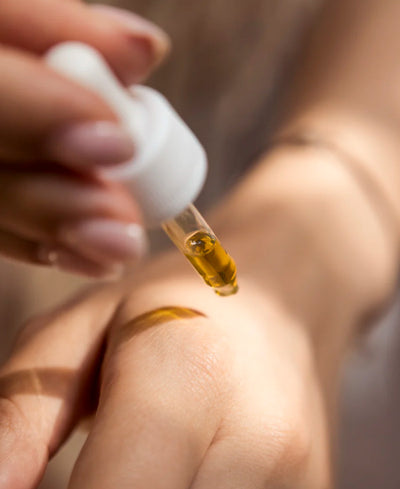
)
(169, 167)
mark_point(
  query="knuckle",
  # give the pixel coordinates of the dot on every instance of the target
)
(289, 441)
(295, 443)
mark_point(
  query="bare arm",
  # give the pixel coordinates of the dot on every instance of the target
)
(238, 392)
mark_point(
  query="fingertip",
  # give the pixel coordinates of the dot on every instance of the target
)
(148, 44)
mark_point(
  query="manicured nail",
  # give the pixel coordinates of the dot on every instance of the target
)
(148, 37)
(106, 240)
(90, 144)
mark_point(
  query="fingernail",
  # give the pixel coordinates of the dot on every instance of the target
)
(107, 240)
(149, 37)
(71, 262)
(90, 144)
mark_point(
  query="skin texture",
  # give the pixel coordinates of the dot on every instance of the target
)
(40, 175)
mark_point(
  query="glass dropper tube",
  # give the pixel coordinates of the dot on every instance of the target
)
(195, 239)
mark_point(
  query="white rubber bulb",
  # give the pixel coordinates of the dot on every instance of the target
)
(169, 167)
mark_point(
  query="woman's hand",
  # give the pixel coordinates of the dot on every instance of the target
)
(55, 135)
(199, 391)
(196, 391)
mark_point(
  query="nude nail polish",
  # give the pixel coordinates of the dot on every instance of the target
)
(107, 240)
(89, 144)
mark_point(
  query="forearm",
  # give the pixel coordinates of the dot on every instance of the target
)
(345, 91)
(341, 186)
(303, 230)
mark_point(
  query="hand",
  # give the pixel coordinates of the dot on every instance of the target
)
(54, 135)
(213, 393)
(222, 392)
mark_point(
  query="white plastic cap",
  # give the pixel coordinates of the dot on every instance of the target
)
(169, 167)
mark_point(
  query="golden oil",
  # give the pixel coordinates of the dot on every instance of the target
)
(195, 239)
(213, 263)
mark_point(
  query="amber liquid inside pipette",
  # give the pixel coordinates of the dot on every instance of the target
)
(212, 262)
(195, 239)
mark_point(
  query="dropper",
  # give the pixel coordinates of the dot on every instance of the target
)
(195, 239)
(169, 167)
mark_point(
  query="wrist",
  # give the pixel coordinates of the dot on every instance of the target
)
(366, 144)
(301, 227)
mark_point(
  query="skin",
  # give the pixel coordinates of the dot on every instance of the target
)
(240, 393)
(243, 392)
(37, 183)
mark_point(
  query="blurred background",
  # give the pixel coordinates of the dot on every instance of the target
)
(225, 76)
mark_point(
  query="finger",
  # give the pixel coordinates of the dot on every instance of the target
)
(131, 45)
(94, 218)
(161, 376)
(13, 246)
(17, 248)
(46, 385)
(46, 117)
